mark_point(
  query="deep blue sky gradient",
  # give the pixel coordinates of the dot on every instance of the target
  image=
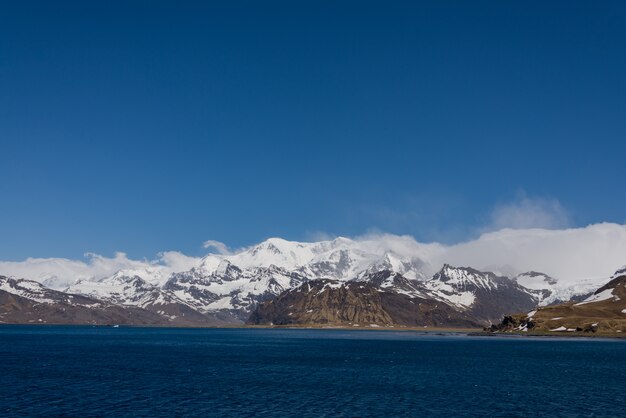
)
(147, 126)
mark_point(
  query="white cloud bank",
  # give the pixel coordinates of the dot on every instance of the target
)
(571, 254)
(60, 272)
(595, 251)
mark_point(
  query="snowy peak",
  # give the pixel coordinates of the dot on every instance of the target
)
(27, 289)
(483, 294)
(466, 278)
(227, 271)
(535, 280)
(337, 264)
(25, 301)
(412, 268)
(339, 259)
(275, 251)
(619, 272)
(389, 280)
(119, 288)
(124, 290)
(239, 291)
(237, 282)
(540, 284)
(36, 292)
(549, 290)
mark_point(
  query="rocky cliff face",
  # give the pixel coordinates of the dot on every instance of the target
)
(328, 302)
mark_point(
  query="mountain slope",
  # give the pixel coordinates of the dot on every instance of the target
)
(482, 295)
(603, 311)
(228, 287)
(231, 289)
(133, 291)
(329, 302)
(25, 301)
(550, 291)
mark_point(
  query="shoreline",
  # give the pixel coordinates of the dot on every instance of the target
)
(236, 326)
(554, 334)
(470, 332)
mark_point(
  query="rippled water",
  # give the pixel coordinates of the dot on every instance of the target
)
(84, 371)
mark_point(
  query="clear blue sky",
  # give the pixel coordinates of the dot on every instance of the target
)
(147, 126)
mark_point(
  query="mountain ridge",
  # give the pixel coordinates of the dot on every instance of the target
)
(229, 287)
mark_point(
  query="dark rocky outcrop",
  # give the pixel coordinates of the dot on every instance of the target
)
(327, 302)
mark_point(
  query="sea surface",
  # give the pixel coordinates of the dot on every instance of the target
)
(87, 371)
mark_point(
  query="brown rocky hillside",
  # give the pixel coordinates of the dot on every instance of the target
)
(327, 302)
(603, 312)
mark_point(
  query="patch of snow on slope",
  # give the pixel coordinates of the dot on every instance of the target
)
(25, 288)
(463, 299)
(223, 303)
(604, 295)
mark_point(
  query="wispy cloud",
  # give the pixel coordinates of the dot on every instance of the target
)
(529, 212)
(315, 236)
(218, 246)
(429, 217)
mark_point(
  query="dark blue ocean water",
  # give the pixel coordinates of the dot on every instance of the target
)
(84, 371)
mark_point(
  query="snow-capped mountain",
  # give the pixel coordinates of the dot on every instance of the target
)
(338, 259)
(535, 280)
(484, 295)
(357, 303)
(230, 288)
(121, 300)
(550, 291)
(239, 282)
(231, 285)
(388, 280)
(38, 293)
(125, 289)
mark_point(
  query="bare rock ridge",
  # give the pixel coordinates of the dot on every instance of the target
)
(328, 302)
(452, 297)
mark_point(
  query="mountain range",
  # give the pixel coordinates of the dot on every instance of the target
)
(250, 286)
